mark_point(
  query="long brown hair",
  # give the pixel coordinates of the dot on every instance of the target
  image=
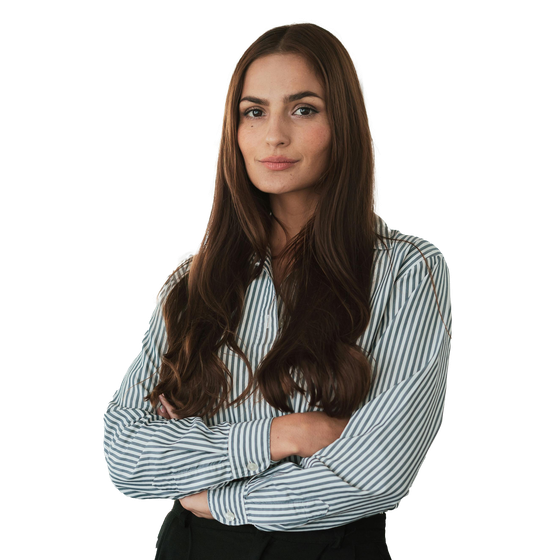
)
(326, 292)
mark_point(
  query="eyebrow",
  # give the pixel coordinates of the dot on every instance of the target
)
(287, 98)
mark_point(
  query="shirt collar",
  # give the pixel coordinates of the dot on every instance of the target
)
(380, 244)
(382, 229)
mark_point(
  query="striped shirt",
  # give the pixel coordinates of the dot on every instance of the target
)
(368, 470)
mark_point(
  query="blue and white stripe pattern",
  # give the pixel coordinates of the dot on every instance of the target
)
(368, 470)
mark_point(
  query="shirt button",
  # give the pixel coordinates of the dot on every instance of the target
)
(230, 516)
(252, 466)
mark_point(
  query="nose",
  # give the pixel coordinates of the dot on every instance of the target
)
(277, 132)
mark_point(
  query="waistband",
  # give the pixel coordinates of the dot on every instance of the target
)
(373, 525)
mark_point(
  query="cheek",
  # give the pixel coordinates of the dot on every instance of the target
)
(241, 141)
(319, 141)
(244, 142)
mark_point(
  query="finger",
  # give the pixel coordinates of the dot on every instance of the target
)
(161, 410)
(169, 409)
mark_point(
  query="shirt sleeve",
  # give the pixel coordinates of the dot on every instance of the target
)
(371, 467)
(151, 457)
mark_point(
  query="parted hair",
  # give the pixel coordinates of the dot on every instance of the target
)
(329, 266)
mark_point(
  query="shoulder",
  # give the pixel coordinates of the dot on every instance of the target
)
(407, 251)
(186, 256)
(176, 277)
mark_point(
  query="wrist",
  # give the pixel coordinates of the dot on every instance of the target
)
(284, 436)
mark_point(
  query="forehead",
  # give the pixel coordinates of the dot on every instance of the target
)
(275, 75)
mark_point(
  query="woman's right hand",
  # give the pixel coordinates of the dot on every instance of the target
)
(317, 430)
(165, 409)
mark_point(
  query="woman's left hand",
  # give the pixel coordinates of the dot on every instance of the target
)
(197, 504)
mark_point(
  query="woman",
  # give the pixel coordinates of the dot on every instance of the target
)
(293, 374)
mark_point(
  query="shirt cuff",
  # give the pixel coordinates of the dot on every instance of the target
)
(249, 447)
(227, 503)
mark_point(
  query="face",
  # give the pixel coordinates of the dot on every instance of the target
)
(283, 133)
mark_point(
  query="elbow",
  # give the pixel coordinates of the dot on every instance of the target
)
(118, 484)
(124, 481)
(390, 489)
(120, 475)
(122, 465)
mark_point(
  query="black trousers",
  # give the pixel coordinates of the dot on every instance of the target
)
(183, 536)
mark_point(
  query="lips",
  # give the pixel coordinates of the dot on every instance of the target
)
(280, 166)
(278, 163)
(278, 159)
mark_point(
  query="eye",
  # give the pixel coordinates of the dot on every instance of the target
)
(307, 111)
(303, 111)
(258, 114)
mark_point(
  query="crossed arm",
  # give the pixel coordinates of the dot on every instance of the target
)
(227, 470)
(300, 434)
